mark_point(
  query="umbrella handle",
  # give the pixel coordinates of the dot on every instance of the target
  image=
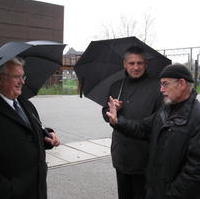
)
(46, 132)
(121, 88)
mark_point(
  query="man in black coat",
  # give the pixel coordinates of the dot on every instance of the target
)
(174, 134)
(22, 150)
(138, 92)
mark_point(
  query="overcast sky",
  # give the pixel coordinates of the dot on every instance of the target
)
(176, 22)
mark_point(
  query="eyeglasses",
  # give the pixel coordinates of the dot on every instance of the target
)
(166, 84)
(16, 77)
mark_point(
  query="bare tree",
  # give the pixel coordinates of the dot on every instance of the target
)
(129, 27)
(125, 28)
(147, 28)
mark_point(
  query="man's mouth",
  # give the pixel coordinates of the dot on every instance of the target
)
(18, 87)
(135, 72)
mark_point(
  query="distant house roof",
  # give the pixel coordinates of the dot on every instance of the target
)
(72, 51)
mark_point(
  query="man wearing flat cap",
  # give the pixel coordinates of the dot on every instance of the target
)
(174, 134)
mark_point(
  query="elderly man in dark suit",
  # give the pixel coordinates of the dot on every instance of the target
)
(22, 150)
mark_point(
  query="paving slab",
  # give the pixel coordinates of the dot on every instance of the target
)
(77, 152)
(90, 148)
(103, 142)
(70, 154)
(53, 161)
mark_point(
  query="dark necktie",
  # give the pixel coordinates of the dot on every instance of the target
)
(21, 113)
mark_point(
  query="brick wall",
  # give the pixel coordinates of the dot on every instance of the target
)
(25, 20)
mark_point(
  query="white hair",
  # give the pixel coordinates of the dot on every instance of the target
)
(12, 62)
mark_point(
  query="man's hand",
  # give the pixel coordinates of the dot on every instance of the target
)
(118, 104)
(53, 139)
(112, 113)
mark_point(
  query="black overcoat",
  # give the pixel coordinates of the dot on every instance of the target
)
(174, 163)
(22, 156)
(141, 98)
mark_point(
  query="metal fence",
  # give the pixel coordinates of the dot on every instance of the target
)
(189, 56)
(66, 82)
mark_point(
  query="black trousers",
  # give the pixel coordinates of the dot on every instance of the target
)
(130, 186)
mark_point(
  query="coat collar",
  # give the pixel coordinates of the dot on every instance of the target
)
(131, 79)
(9, 112)
(178, 114)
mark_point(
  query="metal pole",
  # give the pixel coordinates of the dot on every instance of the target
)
(190, 64)
(164, 52)
(196, 74)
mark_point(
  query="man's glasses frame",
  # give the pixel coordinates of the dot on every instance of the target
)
(166, 84)
(16, 77)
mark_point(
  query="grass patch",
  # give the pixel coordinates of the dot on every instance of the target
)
(58, 90)
(198, 89)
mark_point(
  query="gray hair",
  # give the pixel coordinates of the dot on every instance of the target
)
(135, 50)
(12, 62)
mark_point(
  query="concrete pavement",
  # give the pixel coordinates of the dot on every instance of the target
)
(74, 118)
(81, 167)
(89, 180)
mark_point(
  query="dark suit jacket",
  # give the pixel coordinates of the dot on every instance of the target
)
(22, 155)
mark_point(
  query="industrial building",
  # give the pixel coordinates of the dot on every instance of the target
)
(26, 20)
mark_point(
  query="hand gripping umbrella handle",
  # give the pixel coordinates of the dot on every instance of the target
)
(46, 132)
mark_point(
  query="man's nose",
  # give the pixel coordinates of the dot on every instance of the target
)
(135, 66)
(162, 89)
(22, 80)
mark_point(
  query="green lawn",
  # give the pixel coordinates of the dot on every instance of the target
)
(58, 90)
(198, 89)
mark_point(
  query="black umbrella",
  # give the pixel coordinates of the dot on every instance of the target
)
(42, 59)
(101, 65)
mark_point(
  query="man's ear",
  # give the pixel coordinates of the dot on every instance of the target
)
(124, 63)
(183, 83)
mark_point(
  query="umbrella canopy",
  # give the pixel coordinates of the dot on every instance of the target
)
(102, 63)
(42, 59)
